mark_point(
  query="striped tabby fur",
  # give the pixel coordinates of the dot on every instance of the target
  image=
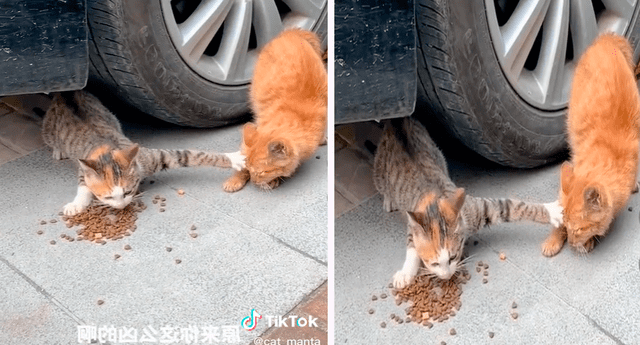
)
(411, 174)
(78, 126)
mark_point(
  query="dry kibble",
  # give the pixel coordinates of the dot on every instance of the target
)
(390, 286)
(371, 311)
(178, 261)
(162, 210)
(485, 273)
(398, 301)
(484, 281)
(407, 320)
(491, 334)
(503, 256)
(100, 302)
(70, 239)
(514, 305)
(163, 199)
(630, 209)
(452, 331)
(63, 235)
(156, 196)
(127, 247)
(52, 242)
(443, 343)
(486, 266)
(400, 321)
(193, 227)
(43, 222)
(193, 235)
(427, 324)
(53, 221)
(374, 298)
(478, 269)
(169, 249)
(117, 256)
(383, 324)
(393, 316)
(383, 296)
(180, 192)
(480, 263)
(514, 315)
(154, 201)
(40, 232)
(163, 204)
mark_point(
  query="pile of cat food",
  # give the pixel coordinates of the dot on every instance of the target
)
(100, 223)
(432, 299)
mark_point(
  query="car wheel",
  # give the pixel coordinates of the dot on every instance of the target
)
(189, 62)
(497, 73)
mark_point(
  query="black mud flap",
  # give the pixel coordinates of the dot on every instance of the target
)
(43, 46)
(375, 59)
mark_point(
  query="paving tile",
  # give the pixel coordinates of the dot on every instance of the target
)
(341, 204)
(20, 133)
(317, 304)
(33, 105)
(353, 176)
(7, 154)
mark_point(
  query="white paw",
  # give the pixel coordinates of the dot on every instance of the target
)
(555, 213)
(237, 160)
(402, 278)
(72, 208)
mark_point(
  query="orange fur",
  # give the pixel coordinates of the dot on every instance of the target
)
(99, 168)
(603, 124)
(289, 100)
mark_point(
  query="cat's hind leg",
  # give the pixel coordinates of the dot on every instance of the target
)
(387, 204)
(554, 242)
(409, 270)
(80, 202)
(236, 181)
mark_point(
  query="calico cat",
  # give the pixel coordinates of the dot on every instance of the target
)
(79, 127)
(289, 101)
(411, 174)
(603, 122)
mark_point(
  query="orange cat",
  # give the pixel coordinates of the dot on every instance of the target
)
(289, 101)
(603, 124)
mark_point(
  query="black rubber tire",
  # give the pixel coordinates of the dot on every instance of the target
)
(460, 78)
(132, 55)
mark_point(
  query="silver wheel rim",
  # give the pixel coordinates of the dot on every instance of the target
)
(220, 39)
(538, 42)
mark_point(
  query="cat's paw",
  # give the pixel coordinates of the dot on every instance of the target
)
(72, 208)
(237, 160)
(402, 278)
(552, 246)
(555, 213)
(233, 184)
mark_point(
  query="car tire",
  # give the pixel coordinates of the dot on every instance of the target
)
(461, 79)
(133, 55)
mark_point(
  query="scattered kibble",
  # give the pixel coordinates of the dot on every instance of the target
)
(478, 269)
(43, 222)
(40, 232)
(491, 334)
(485, 273)
(383, 324)
(400, 321)
(163, 199)
(393, 316)
(155, 201)
(63, 235)
(484, 281)
(162, 210)
(52, 242)
(193, 235)
(180, 192)
(480, 263)
(503, 256)
(169, 249)
(514, 305)
(514, 315)
(407, 320)
(630, 209)
(371, 311)
(60, 213)
(452, 331)
(193, 227)
(390, 286)
(486, 266)
(53, 221)
(156, 196)
(163, 204)
(443, 343)
(99, 223)
(383, 296)
(127, 247)
(100, 302)
(374, 298)
(178, 261)
(427, 324)
(117, 256)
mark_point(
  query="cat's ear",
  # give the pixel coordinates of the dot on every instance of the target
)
(89, 167)
(412, 219)
(278, 149)
(418, 231)
(566, 175)
(248, 133)
(126, 156)
(594, 199)
(450, 207)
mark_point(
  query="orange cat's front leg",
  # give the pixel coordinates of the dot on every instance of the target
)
(237, 181)
(554, 242)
